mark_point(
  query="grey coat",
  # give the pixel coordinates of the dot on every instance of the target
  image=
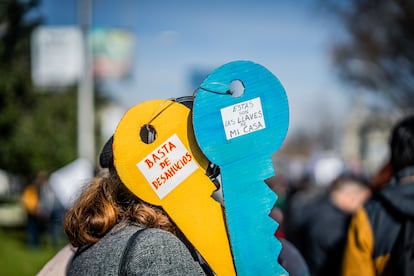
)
(153, 252)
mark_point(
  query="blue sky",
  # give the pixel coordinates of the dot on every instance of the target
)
(174, 38)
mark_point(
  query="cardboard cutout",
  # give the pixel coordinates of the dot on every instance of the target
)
(170, 172)
(240, 118)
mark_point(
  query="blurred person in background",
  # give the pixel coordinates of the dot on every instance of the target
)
(324, 230)
(300, 194)
(31, 200)
(44, 211)
(54, 212)
(304, 190)
(374, 228)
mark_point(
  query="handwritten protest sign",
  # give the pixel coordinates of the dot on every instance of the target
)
(167, 166)
(243, 118)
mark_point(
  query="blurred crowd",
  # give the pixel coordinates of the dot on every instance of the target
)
(314, 212)
(343, 221)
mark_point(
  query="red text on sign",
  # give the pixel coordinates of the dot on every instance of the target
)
(160, 154)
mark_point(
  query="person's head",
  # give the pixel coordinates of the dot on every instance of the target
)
(104, 203)
(349, 191)
(40, 178)
(402, 144)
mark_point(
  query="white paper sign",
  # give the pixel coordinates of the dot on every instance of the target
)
(243, 118)
(57, 56)
(167, 166)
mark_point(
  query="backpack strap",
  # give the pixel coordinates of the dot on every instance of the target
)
(194, 253)
(127, 250)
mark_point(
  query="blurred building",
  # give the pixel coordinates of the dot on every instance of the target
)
(361, 140)
(365, 138)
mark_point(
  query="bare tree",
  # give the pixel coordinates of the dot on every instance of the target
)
(378, 51)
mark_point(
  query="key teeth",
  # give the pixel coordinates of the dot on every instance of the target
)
(280, 270)
(277, 249)
(278, 245)
(264, 231)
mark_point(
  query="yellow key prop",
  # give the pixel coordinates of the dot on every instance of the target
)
(170, 172)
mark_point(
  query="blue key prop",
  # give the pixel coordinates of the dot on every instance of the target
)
(241, 117)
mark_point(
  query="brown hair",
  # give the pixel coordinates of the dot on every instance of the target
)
(104, 203)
